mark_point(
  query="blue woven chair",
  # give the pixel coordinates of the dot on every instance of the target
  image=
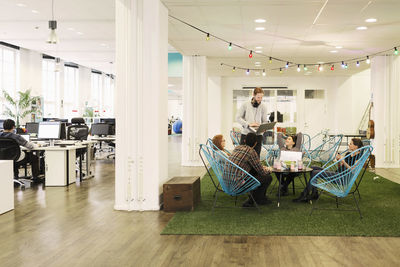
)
(235, 137)
(306, 142)
(338, 181)
(233, 180)
(326, 151)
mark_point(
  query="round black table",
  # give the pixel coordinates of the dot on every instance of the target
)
(280, 172)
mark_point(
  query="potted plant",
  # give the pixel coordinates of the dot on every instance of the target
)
(21, 106)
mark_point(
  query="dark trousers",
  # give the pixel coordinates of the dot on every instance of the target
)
(265, 180)
(286, 179)
(30, 158)
(310, 188)
(257, 148)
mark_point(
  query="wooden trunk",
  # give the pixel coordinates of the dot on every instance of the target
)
(181, 193)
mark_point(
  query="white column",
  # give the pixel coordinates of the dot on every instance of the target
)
(214, 106)
(194, 130)
(141, 103)
(385, 87)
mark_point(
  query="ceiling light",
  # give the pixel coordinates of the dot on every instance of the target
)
(53, 39)
(259, 20)
(80, 33)
(368, 60)
(258, 47)
(333, 51)
(230, 46)
(258, 51)
(21, 5)
(298, 68)
(264, 73)
(361, 28)
(370, 20)
(170, 85)
(259, 28)
(257, 63)
(339, 47)
(248, 72)
(35, 11)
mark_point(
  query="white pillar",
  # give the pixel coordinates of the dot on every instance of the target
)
(194, 130)
(385, 87)
(214, 107)
(141, 103)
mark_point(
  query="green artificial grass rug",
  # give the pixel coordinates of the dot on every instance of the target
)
(379, 204)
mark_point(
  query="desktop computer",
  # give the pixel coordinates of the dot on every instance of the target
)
(49, 130)
(32, 127)
(111, 122)
(100, 129)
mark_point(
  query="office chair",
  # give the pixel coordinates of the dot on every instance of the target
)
(9, 150)
(78, 130)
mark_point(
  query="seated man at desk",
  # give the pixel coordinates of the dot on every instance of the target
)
(25, 157)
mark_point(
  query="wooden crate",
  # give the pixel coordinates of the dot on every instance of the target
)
(181, 193)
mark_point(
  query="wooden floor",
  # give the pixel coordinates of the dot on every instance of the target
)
(77, 226)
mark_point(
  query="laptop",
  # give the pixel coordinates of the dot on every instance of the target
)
(290, 156)
(26, 137)
(263, 127)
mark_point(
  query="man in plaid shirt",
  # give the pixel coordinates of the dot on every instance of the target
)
(247, 158)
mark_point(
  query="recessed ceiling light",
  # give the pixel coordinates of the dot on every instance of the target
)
(259, 28)
(258, 51)
(339, 47)
(258, 47)
(80, 33)
(361, 28)
(259, 20)
(170, 85)
(333, 51)
(370, 20)
(35, 11)
(21, 5)
(71, 29)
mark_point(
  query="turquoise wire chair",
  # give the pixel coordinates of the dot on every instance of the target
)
(235, 137)
(337, 180)
(233, 180)
(306, 142)
(326, 151)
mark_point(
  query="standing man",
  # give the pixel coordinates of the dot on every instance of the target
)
(252, 114)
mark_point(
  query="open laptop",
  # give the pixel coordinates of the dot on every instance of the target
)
(27, 137)
(263, 127)
(290, 156)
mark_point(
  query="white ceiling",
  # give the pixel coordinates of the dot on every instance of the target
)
(289, 30)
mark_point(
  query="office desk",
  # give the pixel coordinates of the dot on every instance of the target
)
(6, 186)
(59, 164)
(102, 139)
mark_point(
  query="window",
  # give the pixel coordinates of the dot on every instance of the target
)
(314, 94)
(108, 97)
(71, 92)
(9, 72)
(96, 92)
(51, 88)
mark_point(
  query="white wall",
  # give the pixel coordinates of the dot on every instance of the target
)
(175, 108)
(346, 99)
(214, 106)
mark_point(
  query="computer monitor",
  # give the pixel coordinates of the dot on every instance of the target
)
(50, 119)
(111, 122)
(63, 120)
(63, 131)
(49, 130)
(100, 129)
(32, 127)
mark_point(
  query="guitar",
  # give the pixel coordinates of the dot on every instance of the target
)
(371, 125)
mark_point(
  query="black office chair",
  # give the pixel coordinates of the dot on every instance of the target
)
(78, 130)
(10, 150)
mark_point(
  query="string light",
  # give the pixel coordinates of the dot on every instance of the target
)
(396, 52)
(248, 72)
(320, 68)
(264, 72)
(368, 60)
(280, 70)
(305, 67)
(358, 64)
(298, 68)
(287, 65)
(345, 66)
(230, 46)
(270, 60)
(208, 37)
(333, 67)
(234, 68)
(251, 54)
(342, 64)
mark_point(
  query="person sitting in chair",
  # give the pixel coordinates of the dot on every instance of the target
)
(247, 158)
(25, 157)
(345, 164)
(291, 143)
(219, 142)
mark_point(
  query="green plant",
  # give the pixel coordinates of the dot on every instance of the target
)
(20, 107)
